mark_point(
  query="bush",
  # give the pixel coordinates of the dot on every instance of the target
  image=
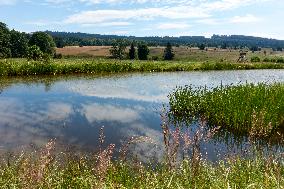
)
(201, 46)
(117, 50)
(168, 52)
(143, 52)
(280, 60)
(46, 57)
(58, 56)
(155, 58)
(255, 59)
(266, 60)
(34, 53)
(132, 52)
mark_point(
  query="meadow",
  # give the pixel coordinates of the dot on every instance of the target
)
(182, 53)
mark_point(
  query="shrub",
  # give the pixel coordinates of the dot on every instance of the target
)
(201, 46)
(34, 53)
(266, 60)
(132, 52)
(117, 50)
(255, 59)
(58, 56)
(143, 52)
(168, 53)
(155, 58)
(46, 57)
(280, 60)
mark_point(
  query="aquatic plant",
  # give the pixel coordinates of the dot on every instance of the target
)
(241, 109)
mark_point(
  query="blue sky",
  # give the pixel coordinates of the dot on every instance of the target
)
(147, 17)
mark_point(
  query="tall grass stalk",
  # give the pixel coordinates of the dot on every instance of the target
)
(48, 169)
(257, 108)
(22, 67)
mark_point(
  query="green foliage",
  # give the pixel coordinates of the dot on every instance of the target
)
(255, 59)
(201, 46)
(168, 53)
(224, 46)
(255, 48)
(280, 60)
(5, 45)
(237, 108)
(155, 58)
(58, 56)
(22, 67)
(48, 169)
(118, 50)
(274, 59)
(44, 41)
(132, 52)
(19, 44)
(266, 59)
(59, 42)
(231, 41)
(143, 51)
(279, 49)
(34, 53)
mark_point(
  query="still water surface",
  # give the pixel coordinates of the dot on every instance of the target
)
(73, 109)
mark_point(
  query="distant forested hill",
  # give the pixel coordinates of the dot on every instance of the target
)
(223, 41)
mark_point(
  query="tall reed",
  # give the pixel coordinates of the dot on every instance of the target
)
(242, 109)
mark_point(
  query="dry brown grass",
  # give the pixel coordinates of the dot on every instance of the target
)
(97, 51)
(181, 53)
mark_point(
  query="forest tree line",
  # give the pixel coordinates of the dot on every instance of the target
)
(220, 41)
(42, 44)
(15, 44)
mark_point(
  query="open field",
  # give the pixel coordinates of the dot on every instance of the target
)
(23, 67)
(181, 53)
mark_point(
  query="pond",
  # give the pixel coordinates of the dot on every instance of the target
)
(72, 109)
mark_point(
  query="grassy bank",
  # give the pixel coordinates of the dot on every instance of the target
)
(84, 172)
(242, 109)
(48, 168)
(22, 67)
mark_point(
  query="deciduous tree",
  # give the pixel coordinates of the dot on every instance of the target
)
(44, 41)
(143, 51)
(168, 53)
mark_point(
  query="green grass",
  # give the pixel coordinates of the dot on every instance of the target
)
(22, 67)
(241, 109)
(70, 171)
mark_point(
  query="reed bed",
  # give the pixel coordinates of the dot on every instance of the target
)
(257, 108)
(22, 67)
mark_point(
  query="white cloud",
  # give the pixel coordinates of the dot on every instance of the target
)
(109, 24)
(208, 21)
(96, 112)
(98, 16)
(245, 19)
(170, 9)
(59, 111)
(169, 26)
